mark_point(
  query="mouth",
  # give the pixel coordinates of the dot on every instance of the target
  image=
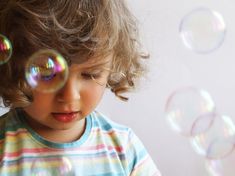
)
(65, 116)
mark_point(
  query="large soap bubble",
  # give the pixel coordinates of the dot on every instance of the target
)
(185, 107)
(218, 140)
(203, 30)
(46, 71)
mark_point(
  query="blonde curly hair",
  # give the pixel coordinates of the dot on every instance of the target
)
(72, 27)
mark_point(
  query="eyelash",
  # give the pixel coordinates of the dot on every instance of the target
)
(90, 75)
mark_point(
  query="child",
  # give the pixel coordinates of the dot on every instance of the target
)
(60, 133)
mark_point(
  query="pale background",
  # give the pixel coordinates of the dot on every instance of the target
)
(172, 66)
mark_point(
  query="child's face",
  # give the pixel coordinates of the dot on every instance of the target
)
(80, 95)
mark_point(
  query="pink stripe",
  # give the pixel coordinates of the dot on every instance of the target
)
(16, 133)
(108, 132)
(45, 150)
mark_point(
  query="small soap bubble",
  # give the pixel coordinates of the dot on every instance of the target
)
(40, 167)
(46, 71)
(5, 49)
(218, 140)
(62, 166)
(203, 30)
(185, 107)
(221, 167)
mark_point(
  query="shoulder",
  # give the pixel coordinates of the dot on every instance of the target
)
(9, 123)
(106, 124)
(110, 129)
(3, 119)
(121, 132)
(127, 144)
(3, 123)
(111, 133)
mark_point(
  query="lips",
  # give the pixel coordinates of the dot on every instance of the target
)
(65, 117)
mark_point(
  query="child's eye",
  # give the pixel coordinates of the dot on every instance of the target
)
(90, 75)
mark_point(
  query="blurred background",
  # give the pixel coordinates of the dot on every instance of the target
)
(174, 65)
(178, 61)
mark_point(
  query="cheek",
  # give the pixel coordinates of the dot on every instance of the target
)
(41, 105)
(43, 99)
(92, 96)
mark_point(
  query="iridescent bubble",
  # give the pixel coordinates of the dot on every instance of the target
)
(5, 49)
(223, 166)
(65, 167)
(61, 166)
(46, 71)
(203, 30)
(40, 167)
(185, 107)
(218, 140)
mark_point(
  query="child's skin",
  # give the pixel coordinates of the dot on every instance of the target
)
(60, 116)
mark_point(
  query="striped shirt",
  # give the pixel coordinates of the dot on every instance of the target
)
(105, 149)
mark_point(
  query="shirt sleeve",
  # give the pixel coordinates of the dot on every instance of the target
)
(140, 162)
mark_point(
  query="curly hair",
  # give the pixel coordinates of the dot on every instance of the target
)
(72, 27)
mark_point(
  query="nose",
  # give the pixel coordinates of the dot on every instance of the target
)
(69, 93)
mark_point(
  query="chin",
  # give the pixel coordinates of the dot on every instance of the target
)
(60, 127)
(64, 128)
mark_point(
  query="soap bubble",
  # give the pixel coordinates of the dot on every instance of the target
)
(203, 30)
(46, 71)
(218, 140)
(5, 49)
(52, 166)
(185, 107)
(223, 166)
